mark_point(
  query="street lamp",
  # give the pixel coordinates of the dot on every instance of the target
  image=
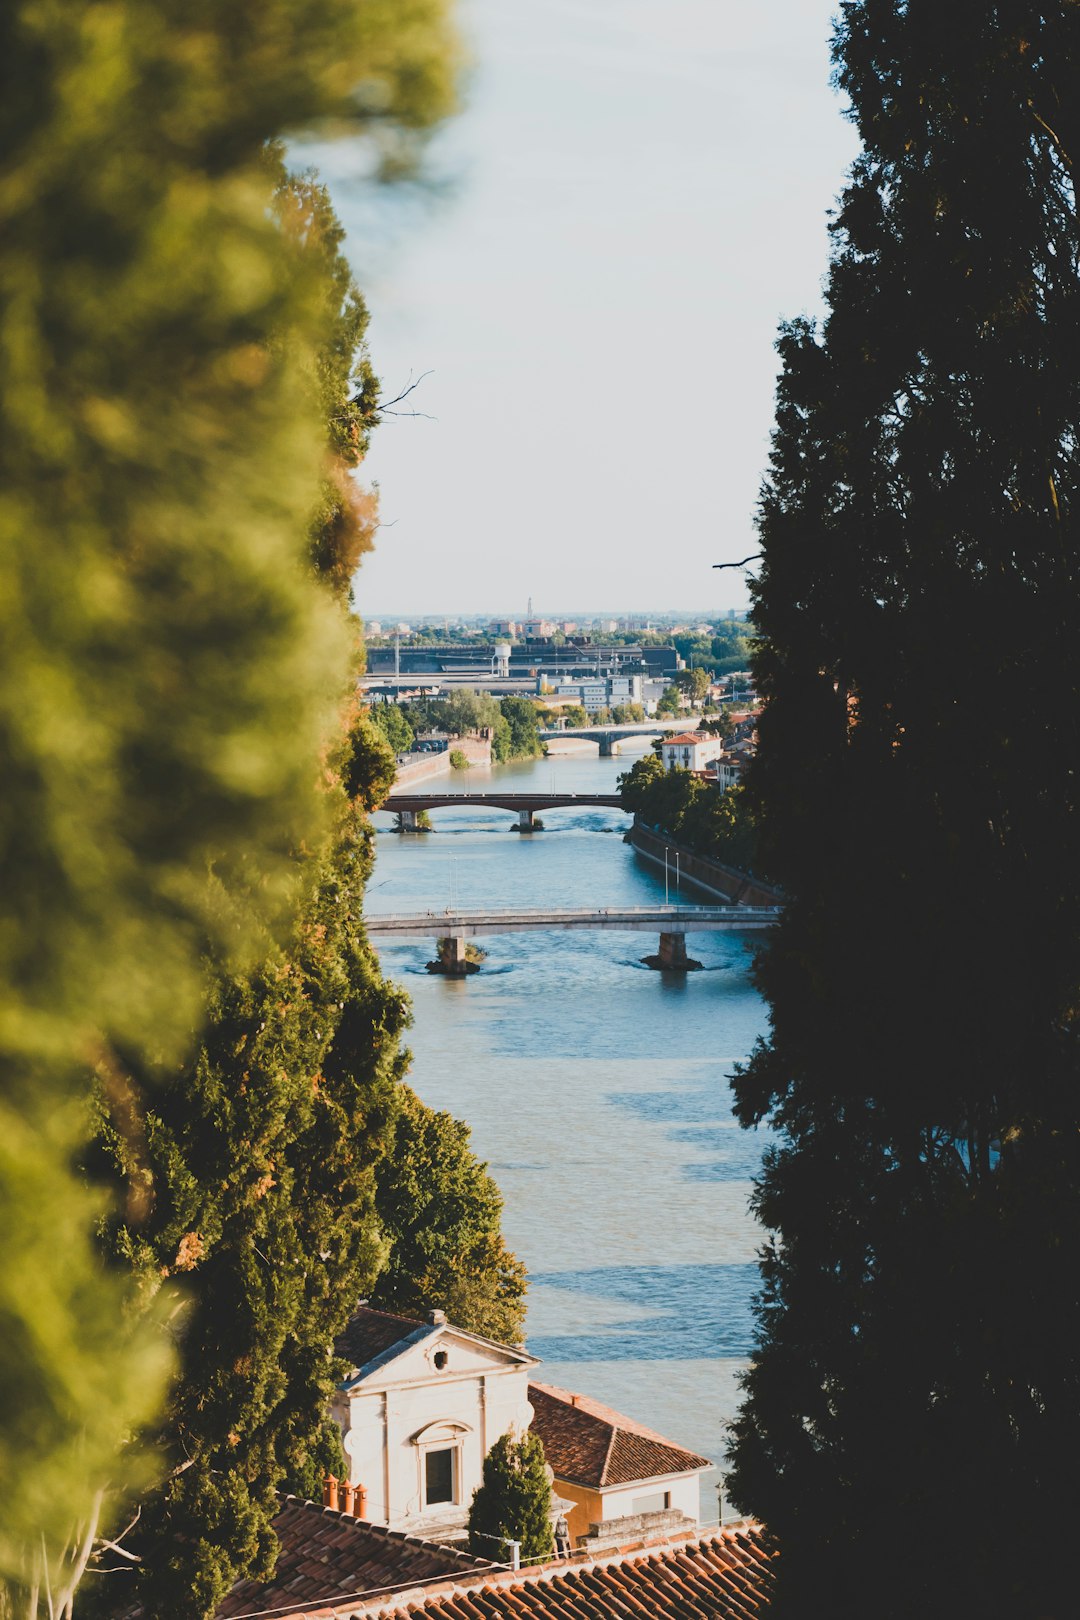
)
(720, 1484)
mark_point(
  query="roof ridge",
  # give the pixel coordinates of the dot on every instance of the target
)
(608, 1415)
(614, 1435)
(389, 1316)
(470, 1561)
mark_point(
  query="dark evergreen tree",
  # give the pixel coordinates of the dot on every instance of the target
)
(514, 1501)
(441, 1210)
(912, 1418)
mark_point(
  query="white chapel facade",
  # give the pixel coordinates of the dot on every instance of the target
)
(422, 1406)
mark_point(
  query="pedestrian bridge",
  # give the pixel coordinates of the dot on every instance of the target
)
(408, 805)
(453, 927)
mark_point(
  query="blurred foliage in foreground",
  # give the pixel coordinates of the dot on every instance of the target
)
(169, 670)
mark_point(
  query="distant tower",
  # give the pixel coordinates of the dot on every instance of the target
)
(528, 611)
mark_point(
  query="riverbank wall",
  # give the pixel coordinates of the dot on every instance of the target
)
(425, 767)
(714, 878)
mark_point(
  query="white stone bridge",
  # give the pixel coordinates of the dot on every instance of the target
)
(453, 927)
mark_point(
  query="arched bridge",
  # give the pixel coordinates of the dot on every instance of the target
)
(610, 736)
(525, 805)
(672, 923)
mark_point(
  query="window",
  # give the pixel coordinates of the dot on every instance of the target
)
(656, 1503)
(439, 1476)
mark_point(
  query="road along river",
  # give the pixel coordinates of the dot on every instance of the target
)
(597, 1091)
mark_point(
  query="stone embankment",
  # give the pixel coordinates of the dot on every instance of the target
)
(425, 767)
(711, 876)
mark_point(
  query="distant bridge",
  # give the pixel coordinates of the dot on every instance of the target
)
(409, 805)
(453, 927)
(610, 736)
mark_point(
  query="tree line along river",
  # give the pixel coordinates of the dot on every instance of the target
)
(597, 1091)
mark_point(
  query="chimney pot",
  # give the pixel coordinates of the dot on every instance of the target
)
(347, 1494)
(437, 1318)
(360, 1507)
(330, 1491)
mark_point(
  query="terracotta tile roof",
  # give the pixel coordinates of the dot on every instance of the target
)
(686, 737)
(370, 1333)
(724, 1575)
(329, 1557)
(589, 1444)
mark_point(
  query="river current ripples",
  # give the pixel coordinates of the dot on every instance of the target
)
(597, 1090)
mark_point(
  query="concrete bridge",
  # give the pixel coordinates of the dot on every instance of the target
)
(610, 736)
(453, 927)
(526, 805)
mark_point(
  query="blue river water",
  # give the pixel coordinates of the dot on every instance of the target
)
(597, 1090)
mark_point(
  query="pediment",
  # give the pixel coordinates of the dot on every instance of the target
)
(441, 1352)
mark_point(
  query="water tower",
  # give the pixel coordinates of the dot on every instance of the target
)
(500, 663)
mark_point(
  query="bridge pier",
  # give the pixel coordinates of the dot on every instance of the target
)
(408, 820)
(451, 958)
(608, 746)
(672, 957)
(525, 820)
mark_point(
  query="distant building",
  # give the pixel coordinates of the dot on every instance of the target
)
(503, 627)
(728, 770)
(373, 627)
(601, 692)
(538, 629)
(692, 750)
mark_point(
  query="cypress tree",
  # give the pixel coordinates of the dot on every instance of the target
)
(913, 1411)
(168, 675)
(258, 1157)
(440, 1211)
(514, 1501)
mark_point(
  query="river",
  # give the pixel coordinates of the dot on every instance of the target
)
(597, 1091)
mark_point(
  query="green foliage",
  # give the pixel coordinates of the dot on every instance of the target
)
(917, 784)
(465, 710)
(459, 760)
(169, 672)
(625, 714)
(176, 326)
(391, 720)
(670, 702)
(693, 812)
(520, 715)
(261, 1155)
(640, 782)
(720, 725)
(575, 715)
(694, 682)
(440, 1210)
(514, 1501)
(727, 649)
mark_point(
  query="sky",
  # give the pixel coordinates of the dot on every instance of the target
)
(633, 197)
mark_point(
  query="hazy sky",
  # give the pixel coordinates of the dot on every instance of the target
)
(635, 194)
